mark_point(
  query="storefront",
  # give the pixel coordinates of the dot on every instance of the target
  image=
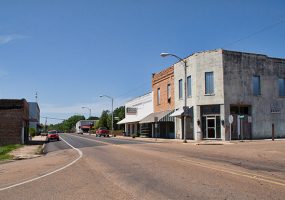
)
(211, 121)
(158, 125)
(135, 111)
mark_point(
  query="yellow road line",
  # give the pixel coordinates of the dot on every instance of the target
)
(275, 181)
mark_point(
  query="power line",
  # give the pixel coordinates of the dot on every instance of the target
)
(255, 33)
(53, 118)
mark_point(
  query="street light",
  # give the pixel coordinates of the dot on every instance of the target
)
(185, 87)
(88, 109)
(112, 99)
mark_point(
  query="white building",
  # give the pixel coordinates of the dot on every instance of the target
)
(249, 87)
(84, 126)
(135, 111)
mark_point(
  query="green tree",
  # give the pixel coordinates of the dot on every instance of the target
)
(67, 125)
(119, 114)
(104, 119)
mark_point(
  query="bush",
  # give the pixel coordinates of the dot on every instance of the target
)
(32, 132)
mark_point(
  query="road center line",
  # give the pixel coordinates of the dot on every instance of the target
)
(50, 173)
(275, 181)
(249, 175)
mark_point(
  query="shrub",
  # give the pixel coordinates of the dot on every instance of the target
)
(32, 132)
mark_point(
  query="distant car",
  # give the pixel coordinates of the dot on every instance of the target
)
(52, 135)
(102, 131)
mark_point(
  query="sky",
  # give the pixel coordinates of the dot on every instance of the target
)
(72, 51)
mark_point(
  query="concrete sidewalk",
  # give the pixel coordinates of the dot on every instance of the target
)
(30, 151)
(163, 140)
(39, 138)
(27, 152)
(200, 142)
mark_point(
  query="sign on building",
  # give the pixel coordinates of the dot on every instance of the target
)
(275, 107)
(131, 111)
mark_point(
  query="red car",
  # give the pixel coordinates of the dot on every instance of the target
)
(102, 131)
(52, 135)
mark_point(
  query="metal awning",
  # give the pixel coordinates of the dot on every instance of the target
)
(177, 112)
(161, 116)
(131, 119)
(180, 112)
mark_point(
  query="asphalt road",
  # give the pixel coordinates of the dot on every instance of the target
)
(115, 168)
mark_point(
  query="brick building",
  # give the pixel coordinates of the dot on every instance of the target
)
(163, 105)
(14, 121)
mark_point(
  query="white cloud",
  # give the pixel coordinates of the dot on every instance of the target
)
(4, 39)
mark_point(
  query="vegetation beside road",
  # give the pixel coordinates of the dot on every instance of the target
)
(5, 150)
(105, 120)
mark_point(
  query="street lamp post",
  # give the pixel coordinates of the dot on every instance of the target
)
(88, 109)
(112, 99)
(185, 87)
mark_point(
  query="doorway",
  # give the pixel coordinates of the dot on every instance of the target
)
(211, 126)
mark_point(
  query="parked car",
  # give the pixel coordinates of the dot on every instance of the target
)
(102, 131)
(52, 135)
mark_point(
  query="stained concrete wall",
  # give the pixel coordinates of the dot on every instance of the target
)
(239, 69)
(197, 65)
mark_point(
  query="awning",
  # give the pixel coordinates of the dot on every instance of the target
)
(85, 126)
(161, 116)
(131, 119)
(180, 112)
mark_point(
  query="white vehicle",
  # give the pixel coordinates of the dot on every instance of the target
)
(84, 126)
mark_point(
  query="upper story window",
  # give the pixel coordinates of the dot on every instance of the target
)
(168, 91)
(180, 89)
(189, 89)
(158, 96)
(209, 83)
(256, 85)
(281, 85)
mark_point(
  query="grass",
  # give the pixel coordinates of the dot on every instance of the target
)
(4, 151)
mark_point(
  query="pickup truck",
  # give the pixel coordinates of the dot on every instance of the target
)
(102, 131)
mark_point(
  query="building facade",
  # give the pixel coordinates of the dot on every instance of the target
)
(162, 125)
(135, 111)
(34, 116)
(14, 121)
(84, 126)
(248, 87)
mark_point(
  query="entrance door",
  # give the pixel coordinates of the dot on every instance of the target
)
(211, 127)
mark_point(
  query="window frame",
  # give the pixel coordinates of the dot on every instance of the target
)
(279, 93)
(189, 87)
(168, 91)
(258, 93)
(158, 96)
(207, 90)
(180, 88)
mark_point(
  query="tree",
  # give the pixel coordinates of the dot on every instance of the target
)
(119, 114)
(103, 121)
(93, 118)
(67, 125)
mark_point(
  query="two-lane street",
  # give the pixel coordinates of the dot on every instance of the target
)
(119, 168)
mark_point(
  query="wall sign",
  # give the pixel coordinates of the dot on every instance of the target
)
(131, 111)
(275, 108)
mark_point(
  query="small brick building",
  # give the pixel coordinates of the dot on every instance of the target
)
(14, 121)
(159, 123)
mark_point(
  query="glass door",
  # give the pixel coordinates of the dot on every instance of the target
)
(211, 127)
